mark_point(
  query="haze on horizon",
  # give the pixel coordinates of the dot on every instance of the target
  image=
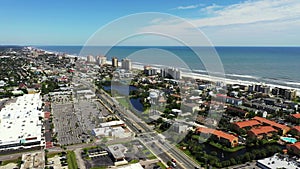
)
(225, 23)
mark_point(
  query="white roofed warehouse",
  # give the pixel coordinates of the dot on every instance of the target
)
(20, 124)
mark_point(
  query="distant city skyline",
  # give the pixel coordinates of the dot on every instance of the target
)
(225, 23)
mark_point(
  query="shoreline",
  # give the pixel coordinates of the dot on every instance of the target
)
(216, 79)
(140, 66)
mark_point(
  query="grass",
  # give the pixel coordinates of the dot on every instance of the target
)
(102, 167)
(227, 149)
(71, 159)
(162, 166)
(51, 155)
(123, 101)
(149, 154)
(10, 161)
(134, 161)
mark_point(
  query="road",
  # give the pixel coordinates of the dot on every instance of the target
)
(166, 151)
(162, 148)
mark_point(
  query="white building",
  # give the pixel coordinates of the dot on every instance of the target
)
(126, 64)
(19, 123)
(91, 59)
(171, 72)
(2, 83)
(101, 60)
(277, 161)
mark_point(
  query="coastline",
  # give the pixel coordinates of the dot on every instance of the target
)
(140, 66)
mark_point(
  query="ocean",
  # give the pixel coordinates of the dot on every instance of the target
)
(271, 65)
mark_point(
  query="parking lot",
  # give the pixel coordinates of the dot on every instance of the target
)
(66, 125)
(90, 113)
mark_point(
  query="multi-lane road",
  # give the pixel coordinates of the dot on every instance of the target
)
(159, 146)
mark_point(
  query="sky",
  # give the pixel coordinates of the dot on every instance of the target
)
(221, 22)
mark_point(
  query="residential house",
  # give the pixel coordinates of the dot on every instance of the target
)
(219, 136)
(262, 132)
(282, 129)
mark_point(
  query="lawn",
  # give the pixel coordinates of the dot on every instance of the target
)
(149, 154)
(227, 149)
(123, 101)
(162, 166)
(71, 159)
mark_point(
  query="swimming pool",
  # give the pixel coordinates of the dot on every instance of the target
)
(289, 139)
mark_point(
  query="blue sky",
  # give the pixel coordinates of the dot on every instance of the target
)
(224, 23)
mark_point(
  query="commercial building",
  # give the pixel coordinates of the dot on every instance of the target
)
(114, 62)
(118, 151)
(20, 123)
(126, 64)
(277, 161)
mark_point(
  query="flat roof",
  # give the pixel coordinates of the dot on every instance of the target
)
(132, 166)
(277, 162)
(117, 150)
(19, 120)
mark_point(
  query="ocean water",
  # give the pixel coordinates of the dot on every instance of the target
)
(273, 65)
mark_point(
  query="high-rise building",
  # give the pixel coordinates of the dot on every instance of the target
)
(91, 59)
(171, 73)
(101, 60)
(126, 64)
(149, 71)
(290, 94)
(114, 62)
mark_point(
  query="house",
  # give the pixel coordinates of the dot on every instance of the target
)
(282, 129)
(229, 100)
(262, 132)
(219, 136)
(2, 83)
(294, 148)
(296, 130)
(245, 125)
(190, 107)
(295, 118)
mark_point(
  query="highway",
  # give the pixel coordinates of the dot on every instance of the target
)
(160, 147)
(164, 151)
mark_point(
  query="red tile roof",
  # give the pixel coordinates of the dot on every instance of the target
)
(297, 145)
(217, 133)
(297, 128)
(271, 123)
(297, 116)
(248, 123)
(262, 130)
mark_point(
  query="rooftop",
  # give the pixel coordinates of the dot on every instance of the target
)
(218, 133)
(297, 116)
(19, 120)
(297, 128)
(248, 123)
(262, 130)
(271, 123)
(277, 162)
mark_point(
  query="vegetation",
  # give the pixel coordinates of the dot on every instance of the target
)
(71, 159)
